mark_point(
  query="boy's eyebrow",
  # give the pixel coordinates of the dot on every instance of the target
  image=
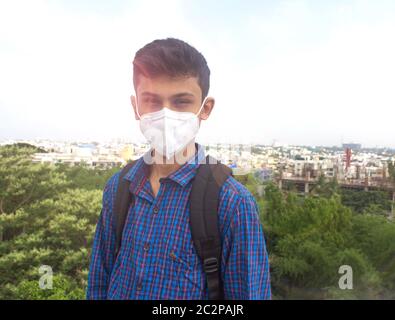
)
(182, 94)
(178, 95)
(147, 93)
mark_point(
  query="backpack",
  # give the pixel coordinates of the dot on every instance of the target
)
(206, 185)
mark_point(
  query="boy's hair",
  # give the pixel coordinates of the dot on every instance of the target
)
(171, 57)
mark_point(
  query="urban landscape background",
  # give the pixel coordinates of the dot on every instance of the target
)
(318, 210)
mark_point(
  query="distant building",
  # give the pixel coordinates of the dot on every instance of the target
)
(352, 146)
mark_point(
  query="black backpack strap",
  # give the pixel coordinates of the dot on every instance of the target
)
(121, 206)
(204, 197)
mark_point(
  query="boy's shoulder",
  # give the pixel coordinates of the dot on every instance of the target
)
(236, 201)
(235, 189)
(111, 185)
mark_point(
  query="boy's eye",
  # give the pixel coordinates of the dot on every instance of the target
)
(182, 101)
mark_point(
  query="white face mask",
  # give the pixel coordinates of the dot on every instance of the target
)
(168, 131)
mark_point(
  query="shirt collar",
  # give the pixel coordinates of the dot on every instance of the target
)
(138, 174)
(187, 171)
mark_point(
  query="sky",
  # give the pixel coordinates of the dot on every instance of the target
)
(285, 72)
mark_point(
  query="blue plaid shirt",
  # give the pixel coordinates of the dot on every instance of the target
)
(157, 258)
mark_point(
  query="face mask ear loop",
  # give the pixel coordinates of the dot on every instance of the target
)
(137, 108)
(201, 107)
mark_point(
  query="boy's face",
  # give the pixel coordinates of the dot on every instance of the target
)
(181, 94)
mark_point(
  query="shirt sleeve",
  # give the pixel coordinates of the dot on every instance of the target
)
(102, 255)
(246, 275)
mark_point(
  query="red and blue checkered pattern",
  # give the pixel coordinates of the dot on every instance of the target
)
(157, 259)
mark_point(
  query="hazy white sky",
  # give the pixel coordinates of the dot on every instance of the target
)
(298, 72)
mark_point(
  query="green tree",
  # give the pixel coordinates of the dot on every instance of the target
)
(45, 220)
(367, 201)
(23, 182)
(83, 177)
(309, 238)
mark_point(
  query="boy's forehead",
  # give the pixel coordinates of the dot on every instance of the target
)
(168, 86)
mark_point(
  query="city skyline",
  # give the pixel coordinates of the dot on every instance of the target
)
(125, 141)
(302, 72)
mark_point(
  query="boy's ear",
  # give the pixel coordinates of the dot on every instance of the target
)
(207, 108)
(134, 105)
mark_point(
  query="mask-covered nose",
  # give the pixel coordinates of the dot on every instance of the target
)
(168, 131)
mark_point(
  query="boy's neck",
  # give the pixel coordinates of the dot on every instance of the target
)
(164, 169)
